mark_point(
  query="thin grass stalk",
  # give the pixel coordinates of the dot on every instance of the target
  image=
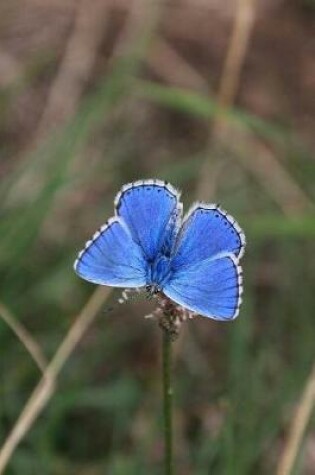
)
(46, 386)
(25, 337)
(168, 402)
(298, 427)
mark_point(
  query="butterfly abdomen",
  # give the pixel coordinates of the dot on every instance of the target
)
(159, 271)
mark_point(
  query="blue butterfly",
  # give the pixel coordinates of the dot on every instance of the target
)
(194, 261)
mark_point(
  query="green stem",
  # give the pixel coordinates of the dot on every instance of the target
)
(167, 402)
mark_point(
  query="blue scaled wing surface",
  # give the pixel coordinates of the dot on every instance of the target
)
(112, 257)
(206, 276)
(150, 209)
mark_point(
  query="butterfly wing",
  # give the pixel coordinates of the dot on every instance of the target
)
(211, 288)
(150, 208)
(206, 276)
(208, 231)
(112, 258)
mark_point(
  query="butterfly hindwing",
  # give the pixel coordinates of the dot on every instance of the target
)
(207, 231)
(112, 258)
(148, 207)
(211, 288)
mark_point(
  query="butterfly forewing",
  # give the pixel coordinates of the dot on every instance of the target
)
(112, 258)
(211, 287)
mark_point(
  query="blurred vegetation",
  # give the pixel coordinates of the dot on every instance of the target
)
(236, 384)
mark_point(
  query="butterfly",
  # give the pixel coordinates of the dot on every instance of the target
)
(194, 261)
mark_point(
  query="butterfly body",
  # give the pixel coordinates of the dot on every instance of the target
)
(194, 261)
(159, 272)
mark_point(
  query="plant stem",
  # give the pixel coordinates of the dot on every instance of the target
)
(167, 401)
